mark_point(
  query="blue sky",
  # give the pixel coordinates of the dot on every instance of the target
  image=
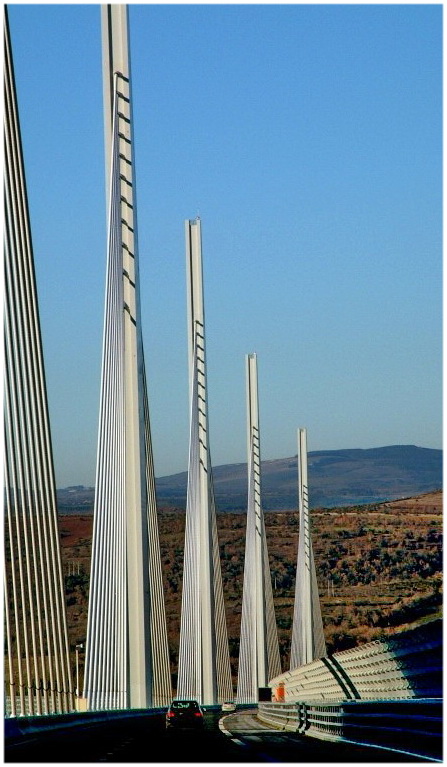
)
(308, 138)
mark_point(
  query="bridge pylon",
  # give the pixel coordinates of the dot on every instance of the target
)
(308, 642)
(38, 677)
(204, 671)
(127, 660)
(259, 658)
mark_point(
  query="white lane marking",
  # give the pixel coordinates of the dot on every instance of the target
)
(222, 728)
(229, 734)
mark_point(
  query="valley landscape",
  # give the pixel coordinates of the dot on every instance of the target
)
(379, 569)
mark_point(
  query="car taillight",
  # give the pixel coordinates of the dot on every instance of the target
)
(197, 713)
(170, 714)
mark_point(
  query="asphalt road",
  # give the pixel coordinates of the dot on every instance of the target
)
(237, 737)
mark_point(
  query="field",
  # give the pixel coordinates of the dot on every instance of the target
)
(379, 569)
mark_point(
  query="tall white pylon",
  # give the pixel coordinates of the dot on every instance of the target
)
(204, 671)
(307, 631)
(259, 658)
(37, 670)
(127, 660)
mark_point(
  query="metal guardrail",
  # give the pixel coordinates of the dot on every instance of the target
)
(412, 726)
(285, 716)
(326, 719)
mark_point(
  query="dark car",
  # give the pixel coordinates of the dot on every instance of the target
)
(184, 713)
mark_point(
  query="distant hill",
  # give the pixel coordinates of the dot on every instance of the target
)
(336, 478)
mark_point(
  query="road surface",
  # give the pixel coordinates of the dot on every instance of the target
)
(236, 737)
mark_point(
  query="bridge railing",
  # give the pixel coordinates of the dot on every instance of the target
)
(412, 726)
(285, 716)
(28, 704)
(385, 693)
(324, 720)
(408, 665)
(19, 728)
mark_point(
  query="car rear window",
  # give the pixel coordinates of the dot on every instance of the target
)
(192, 705)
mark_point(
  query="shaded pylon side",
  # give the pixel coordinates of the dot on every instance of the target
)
(204, 671)
(259, 658)
(127, 660)
(308, 643)
(38, 677)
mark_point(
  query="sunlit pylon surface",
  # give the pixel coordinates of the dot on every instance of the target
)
(259, 658)
(127, 660)
(204, 661)
(37, 673)
(308, 642)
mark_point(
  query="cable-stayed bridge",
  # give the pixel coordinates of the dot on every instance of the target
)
(259, 650)
(38, 674)
(127, 660)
